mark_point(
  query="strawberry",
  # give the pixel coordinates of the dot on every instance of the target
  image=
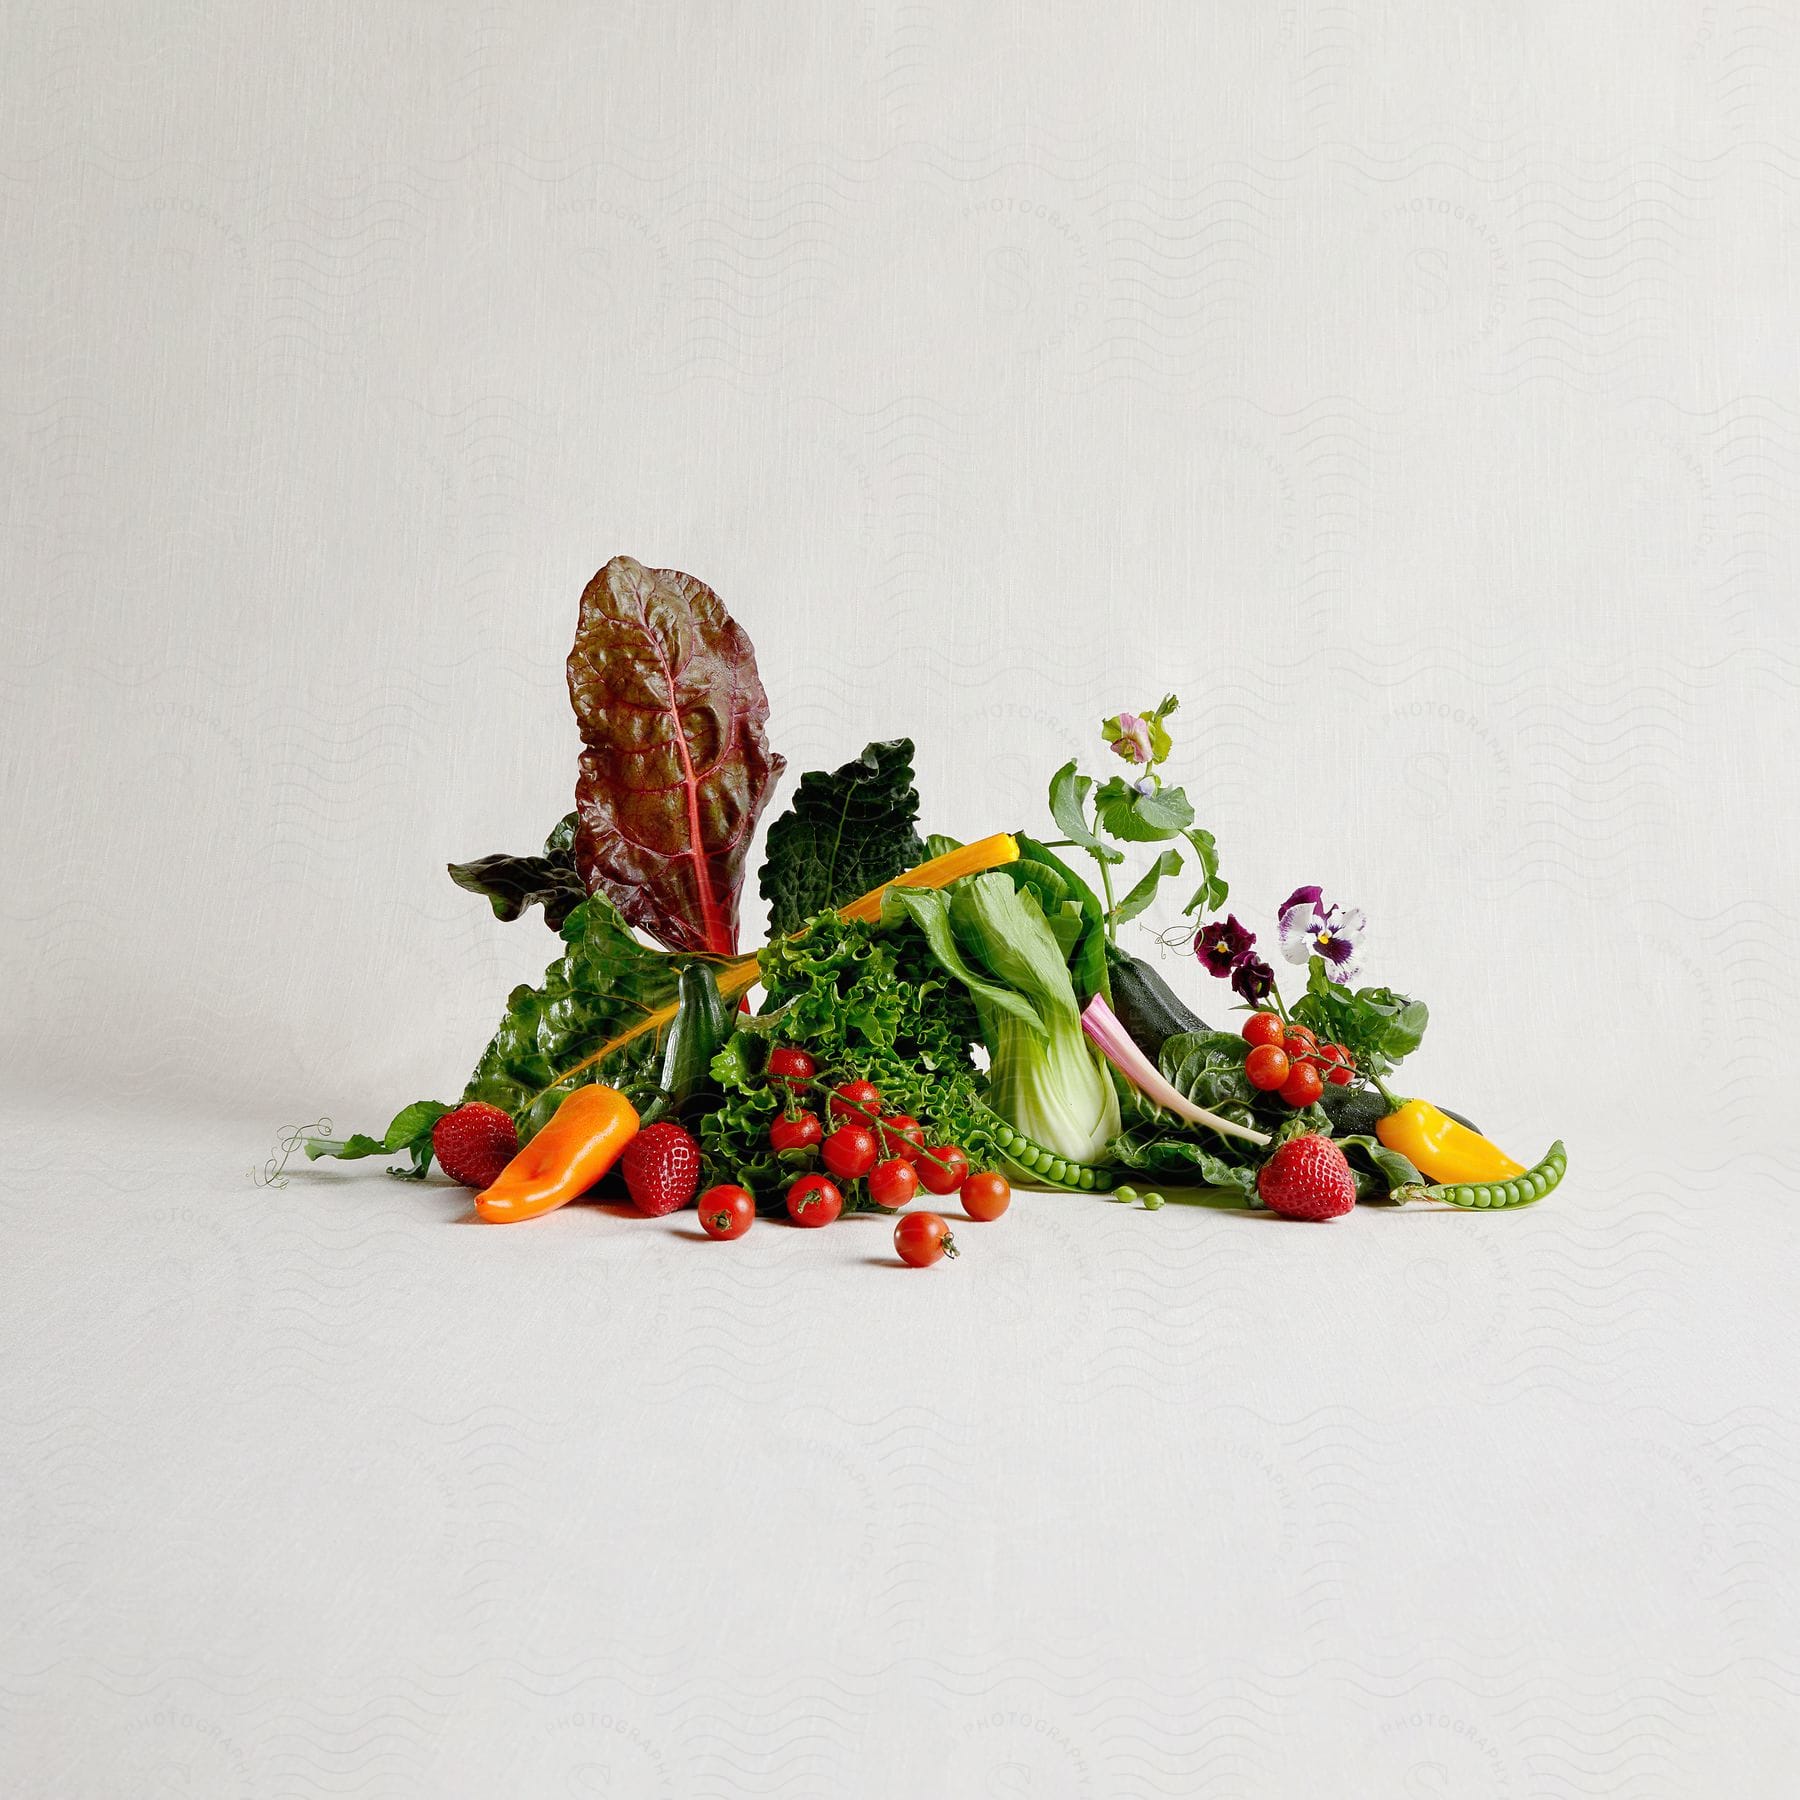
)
(1307, 1178)
(661, 1166)
(474, 1143)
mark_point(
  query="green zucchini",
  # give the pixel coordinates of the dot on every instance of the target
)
(701, 1024)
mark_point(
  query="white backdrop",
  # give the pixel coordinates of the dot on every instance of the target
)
(1412, 389)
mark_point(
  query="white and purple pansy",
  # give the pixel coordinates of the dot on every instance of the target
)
(1310, 927)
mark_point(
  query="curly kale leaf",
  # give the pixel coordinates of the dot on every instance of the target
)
(515, 884)
(846, 833)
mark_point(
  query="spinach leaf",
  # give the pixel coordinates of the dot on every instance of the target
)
(845, 833)
(1389, 1173)
(1164, 1152)
(515, 884)
(1207, 1067)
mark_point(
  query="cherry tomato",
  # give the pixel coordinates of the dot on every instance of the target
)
(901, 1135)
(922, 1238)
(850, 1151)
(893, 1183)
(943, 1168)
(813, 1200)
(856, 1102)
(794, 1067)
(1339, 1065)
(1262, 1028)
(1299, 1043)
(1266, 1066)
(1302, 1086)
(986, 1196)
(800, 1132)
(726, 1212)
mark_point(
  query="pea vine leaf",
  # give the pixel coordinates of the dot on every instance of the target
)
(409, 1131)
(513, 885)
(1068, 807)
(1141, 818)
(846, 832)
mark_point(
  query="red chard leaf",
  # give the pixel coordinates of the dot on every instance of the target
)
(677, 767)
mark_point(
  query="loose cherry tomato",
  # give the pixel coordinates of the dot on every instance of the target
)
(1302, 1086)
(726, 1212)
(1262, 1028)
(893, 1183)
(901, 1135)
(1338, 1063)
(856, 1103)
(1266, 1067)
(813, 1200)
(922, 1238)
(794, 1067)
(986, 1196)
(943, 1168)
(800, 1132)
(850, 1151)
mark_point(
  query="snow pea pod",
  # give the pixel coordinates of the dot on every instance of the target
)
(1532, 1185)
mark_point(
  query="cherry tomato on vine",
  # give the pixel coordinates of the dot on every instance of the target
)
(726, 1212)
(856, 1102)
(1262, 1028)
(922, 1238)
(943, 1168)
(794, 1067)
(1299, 1043)
(800, 1132)
(893, 1183)
(850, 1151)
(986, 1196)
(1302, 1086)
(901, 1135)
(1266, 1067)
(813, 1200)
(1339, 1064)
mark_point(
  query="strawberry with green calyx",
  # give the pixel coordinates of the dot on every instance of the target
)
(1308, 1177)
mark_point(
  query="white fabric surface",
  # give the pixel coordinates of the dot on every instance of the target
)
(1411, 388)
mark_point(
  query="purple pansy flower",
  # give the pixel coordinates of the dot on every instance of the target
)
(1133, 740)
(1310, 927)
(1222, 945)
(1253, 980)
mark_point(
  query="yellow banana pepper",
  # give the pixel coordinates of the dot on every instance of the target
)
(1442, 1150)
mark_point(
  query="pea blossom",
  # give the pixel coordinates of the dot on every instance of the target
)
(1311, 927)
(1223, 945)
(1130, 737)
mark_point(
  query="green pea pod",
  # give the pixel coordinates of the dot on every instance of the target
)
(702, 1023)
(1534, 1184)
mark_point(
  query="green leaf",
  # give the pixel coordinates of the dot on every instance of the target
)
(1207, 1067)
(1391, 1169)
(845, 833)
(409, 1131)
(1164, 1152)
(1213, 890)
(1068, 807)
(929, 909)
(515, 884)
(937, 844)
(605, 981)
(1376, 1025)
(1169, 863)
(1141, 818)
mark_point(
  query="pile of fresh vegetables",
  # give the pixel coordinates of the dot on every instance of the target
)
(933, 1016)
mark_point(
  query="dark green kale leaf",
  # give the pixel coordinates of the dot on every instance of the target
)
(845, 833)
(515, 884)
